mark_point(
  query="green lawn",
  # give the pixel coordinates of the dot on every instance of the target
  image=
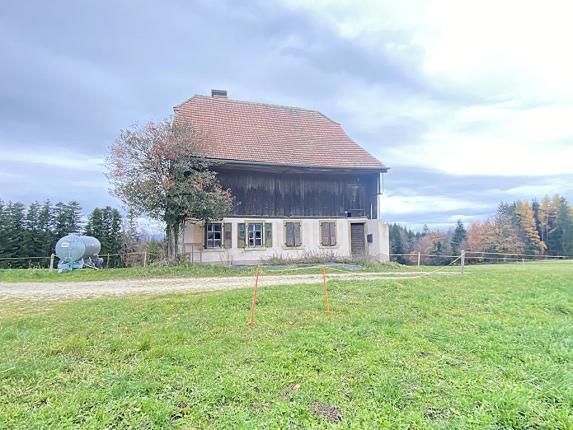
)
(179, 271)
(493, 349)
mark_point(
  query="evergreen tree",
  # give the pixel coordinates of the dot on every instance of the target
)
(560, 236)
(60, 220)
(94, 226)
(46, 236)
(14, 218)
(67, 218)
(73, 212)
(3, 230)
(459, 237)
(31, 243)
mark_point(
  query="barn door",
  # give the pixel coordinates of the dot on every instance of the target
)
(357, 243)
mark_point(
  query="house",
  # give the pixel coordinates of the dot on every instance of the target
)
(302, 186)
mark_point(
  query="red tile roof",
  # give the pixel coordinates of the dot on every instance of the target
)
(255, 132)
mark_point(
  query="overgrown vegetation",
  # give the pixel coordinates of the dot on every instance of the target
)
(493, 349)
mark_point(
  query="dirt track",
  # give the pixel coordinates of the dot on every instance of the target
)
(89, 289)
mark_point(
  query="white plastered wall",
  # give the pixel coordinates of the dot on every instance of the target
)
(310, 238)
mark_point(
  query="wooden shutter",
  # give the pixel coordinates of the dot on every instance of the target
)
(297, 241)
(328, 233)
(228, 234)
(268, 235)
(324, 234)
(289, 234)
(241, 235)
(332, 233)
(205, 235)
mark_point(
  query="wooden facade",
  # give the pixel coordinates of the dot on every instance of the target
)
(280, 192)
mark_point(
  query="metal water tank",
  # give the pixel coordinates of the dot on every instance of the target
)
(74, 247)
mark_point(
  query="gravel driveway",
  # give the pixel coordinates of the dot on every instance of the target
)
(89, 289)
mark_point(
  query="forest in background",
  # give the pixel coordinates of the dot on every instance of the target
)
(520, 227)
(31, 232)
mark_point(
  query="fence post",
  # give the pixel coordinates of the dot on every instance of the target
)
(327, 306)
(418, 258)
(254, 301)
(52, 261)
(144, 258)
(462, 261)
(107, 263)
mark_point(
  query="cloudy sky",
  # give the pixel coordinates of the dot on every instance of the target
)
(468, 102)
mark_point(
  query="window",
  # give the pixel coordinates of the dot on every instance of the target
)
(292, 234)
(255, 235)
(213, 235)
(328, 233)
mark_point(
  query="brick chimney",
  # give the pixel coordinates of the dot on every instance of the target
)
(219, 93)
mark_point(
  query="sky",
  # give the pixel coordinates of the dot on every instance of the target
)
(469, 103)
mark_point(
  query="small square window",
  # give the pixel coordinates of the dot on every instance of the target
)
(213, 235)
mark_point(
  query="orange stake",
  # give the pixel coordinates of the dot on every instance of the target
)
(323, 270)
(252, 320)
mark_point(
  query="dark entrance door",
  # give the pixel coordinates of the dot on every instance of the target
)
(357, 245)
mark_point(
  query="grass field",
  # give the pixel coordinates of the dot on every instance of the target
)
(179, 271)
(493, 349)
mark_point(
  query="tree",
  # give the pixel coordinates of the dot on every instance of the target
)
(156, 170)
(46, 236)
(482, 237)
(459, 237)
(31, 246)
(14, 229)
(528, 228)
(506, 222)
(95, 226)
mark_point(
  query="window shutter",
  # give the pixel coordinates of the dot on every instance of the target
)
(324, 234)
(332, 233)
(289, 234)
(297, 241)
(268, 235)
(241, 235)
(205, 235)
(228, 232)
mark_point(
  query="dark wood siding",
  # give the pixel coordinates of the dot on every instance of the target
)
(301, 194)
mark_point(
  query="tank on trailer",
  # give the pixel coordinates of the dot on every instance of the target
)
(75, 252)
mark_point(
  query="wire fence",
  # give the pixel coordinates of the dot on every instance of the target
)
(118, 260)
(144, 258)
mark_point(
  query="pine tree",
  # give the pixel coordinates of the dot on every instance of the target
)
(31, 244)
(74, 216)
(3, 230)
(94, 227)
(14, 218)
(60, 220)
(47, 237)
(459, 237)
